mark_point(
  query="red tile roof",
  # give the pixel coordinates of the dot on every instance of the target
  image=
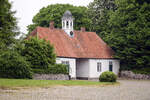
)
(82, 45)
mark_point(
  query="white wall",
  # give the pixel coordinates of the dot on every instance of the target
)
(72, 62)
(82, 69)
(104, 67)
(88, 67)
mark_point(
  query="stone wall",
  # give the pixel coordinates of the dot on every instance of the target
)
(131, 75)
(50, 77)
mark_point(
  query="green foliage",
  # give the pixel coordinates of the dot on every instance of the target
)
(12, 65)
(55, 13)
(145, 71)
(8, 28)
(108, 77)
(125, 26)
(39, 53)
(130, 33)
(55, 69)
(99, 14)
(58, 69)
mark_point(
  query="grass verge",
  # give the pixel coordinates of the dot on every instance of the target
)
(14, 83)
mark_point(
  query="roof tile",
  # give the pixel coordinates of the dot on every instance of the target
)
(82, 45)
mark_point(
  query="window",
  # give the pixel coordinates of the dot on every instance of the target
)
(63, 24)
(67, 24)
(99, 67)
(66, 63)
(71, 24)
(110, 66)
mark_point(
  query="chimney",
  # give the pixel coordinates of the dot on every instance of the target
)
(51, 26)
(82, 29)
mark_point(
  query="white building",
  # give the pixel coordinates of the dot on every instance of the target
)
(85, 53)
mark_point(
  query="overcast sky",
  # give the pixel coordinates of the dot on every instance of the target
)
(26, 9)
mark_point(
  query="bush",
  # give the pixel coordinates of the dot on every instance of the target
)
(39, 53)
(58, 69)
(145, 71)
(55, 69)
(108, 77)
(12, 65)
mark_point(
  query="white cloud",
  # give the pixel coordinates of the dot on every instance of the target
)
(26, 9)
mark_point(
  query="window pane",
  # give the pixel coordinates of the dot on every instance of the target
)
(67, 64)
(63, 24)
(99, 67)
(63, 62)
(110, 63)
(67, 24)
(110, 66)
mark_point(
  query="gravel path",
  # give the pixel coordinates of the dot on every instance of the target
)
(127, 90)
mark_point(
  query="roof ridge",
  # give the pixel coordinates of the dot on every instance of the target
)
(62, 29)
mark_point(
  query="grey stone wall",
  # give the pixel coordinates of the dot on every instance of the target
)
(131, 75)
(50, 77)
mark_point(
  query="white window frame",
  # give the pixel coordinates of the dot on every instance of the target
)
(68, 65)
(99, 66)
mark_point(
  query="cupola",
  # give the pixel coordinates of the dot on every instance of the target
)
(67, 23)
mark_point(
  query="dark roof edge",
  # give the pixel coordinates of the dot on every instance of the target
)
(88, 58)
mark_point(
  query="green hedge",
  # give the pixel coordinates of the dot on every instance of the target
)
(145, 71)
(55, 69)
(12, 65)
(108, 77)
(38, 52)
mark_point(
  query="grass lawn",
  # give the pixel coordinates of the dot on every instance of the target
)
(14, 83)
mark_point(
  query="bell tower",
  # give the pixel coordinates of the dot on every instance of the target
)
(67, 23)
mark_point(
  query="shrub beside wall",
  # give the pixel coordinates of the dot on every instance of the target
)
(145, 71)
(30, 56)
(38, 52)
(108, 77)
(52, 69)
(12, 65)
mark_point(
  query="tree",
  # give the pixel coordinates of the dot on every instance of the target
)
(8, 28)
(55, 13)
(39, 53)
(13, 65)
(130, 33)
(99, 14)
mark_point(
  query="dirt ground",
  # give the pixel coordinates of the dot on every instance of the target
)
(127, 90)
